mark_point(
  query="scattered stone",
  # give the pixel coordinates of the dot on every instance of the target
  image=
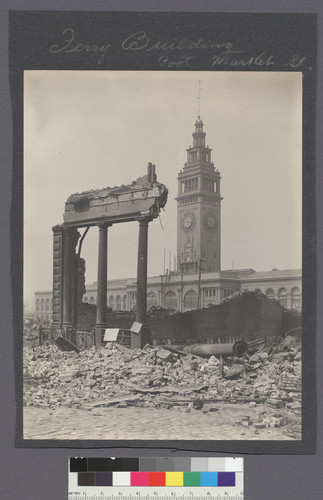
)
(163, 355)
(157, 377)
(198, 404)
(234, 372)
(275, 403)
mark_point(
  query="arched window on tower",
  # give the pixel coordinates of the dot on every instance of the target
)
(270, 293)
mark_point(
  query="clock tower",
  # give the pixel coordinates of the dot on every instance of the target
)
(199, 209)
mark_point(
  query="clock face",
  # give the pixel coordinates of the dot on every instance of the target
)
(189, 221)
(210, 221)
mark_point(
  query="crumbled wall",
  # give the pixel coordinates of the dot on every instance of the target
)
(246, 314)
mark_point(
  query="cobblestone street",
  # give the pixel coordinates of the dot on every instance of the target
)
(147, 423)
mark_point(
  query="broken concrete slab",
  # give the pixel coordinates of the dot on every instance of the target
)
(65, 345)
(234, 372)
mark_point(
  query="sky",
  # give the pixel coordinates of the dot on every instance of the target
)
(88, 130)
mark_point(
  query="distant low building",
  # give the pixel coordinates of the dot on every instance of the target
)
(284, 286)
(186, 292)
(44, 305)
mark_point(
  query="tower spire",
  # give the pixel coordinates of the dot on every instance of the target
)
(199, 100)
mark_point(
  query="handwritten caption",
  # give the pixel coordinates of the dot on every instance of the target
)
(179, 54)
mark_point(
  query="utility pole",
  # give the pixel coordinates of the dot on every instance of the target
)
(199, 283)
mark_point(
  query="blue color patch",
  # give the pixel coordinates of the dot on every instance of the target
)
(209, 479)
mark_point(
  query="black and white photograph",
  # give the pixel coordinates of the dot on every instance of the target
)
(162, 287)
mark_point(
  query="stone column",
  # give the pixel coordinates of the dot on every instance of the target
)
(70, 237)
(179, 299)
(57, 276)
(142, 272)
(289, 300)
(101, 299)
(139, 340)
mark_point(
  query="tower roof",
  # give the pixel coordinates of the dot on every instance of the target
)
(199, 123)
(199, 129)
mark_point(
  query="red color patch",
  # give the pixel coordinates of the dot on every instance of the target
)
(156, 479)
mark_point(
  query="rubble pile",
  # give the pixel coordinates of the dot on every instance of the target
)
(156, 377)
(237, 296)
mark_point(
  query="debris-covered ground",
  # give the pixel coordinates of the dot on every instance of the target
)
(262, 390)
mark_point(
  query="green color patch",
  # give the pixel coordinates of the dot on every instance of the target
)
(192, 478)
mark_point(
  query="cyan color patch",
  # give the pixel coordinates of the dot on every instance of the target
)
(209, 479)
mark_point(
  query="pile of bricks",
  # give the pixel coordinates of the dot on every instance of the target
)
(156, 377)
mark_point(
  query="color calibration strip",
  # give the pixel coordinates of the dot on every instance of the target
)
(122, 476)
(156, 478)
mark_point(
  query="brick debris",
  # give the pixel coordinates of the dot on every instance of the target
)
(268, 377)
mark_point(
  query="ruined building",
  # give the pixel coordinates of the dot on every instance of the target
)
(198, 280)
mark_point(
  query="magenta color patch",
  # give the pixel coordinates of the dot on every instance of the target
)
(139, 479)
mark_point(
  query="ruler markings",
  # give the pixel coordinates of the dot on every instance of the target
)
(152, 496)
(181, 497)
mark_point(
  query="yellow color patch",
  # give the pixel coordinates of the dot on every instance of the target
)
(174, 479)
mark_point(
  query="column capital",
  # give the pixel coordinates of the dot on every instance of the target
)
(68, 229)
(104, 225)
(58, 228)
(144, 221)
